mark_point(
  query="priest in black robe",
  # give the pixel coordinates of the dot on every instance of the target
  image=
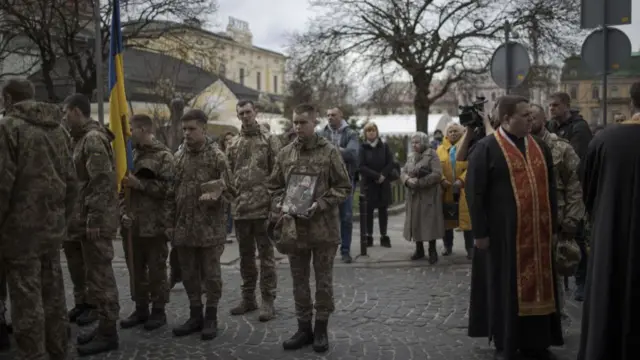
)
(511, 194)
(611, 185)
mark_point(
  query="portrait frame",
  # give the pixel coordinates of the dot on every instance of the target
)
(300, 193)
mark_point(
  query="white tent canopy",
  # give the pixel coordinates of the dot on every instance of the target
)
(401, 125)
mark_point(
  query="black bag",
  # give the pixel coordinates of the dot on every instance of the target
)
(450, 211)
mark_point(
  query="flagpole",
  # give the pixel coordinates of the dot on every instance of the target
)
(98, 60)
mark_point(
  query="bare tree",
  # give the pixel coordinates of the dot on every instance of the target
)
(431, 40)
(16, 57)
(314, 78)
(62, 30)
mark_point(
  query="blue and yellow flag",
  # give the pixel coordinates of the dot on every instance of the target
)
(118, 109)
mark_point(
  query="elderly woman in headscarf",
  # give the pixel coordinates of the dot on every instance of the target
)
(424, 220)
(456, 212)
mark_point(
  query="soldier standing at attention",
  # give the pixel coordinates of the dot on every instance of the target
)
(566, 162)
(95, 223)
(149, 185)
(198, 226)
(318, 234)
(37, 195)
(251, 159)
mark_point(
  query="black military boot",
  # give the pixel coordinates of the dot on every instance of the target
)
(419, 254)
(5, 341)
(138, 317)
(86, 337)
(193, 325)
(302, 337)
(247, 305)
(76, 311)
(157, 319)
(320, 336)
(210, 327)
(88, 316)
(369, 241)
(105, 339)
(385, 241)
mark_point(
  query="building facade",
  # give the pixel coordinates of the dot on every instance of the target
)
(586, 92)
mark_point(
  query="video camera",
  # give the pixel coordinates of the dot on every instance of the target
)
(469, 114)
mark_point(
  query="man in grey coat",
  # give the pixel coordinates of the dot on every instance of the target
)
(346, 140)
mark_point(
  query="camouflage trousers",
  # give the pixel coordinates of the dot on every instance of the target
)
(38, 310)
(149, 280)
(252, 234)
(201, 269)
(91, 271)
(300, 261)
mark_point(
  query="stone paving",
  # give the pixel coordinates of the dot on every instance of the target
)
(386, 311)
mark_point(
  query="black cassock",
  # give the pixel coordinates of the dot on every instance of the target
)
(611, 184)
(493, 310)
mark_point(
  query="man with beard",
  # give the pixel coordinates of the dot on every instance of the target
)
(568, 124)
(94, 226)
(148, 187)
(511, 192)
(317, 233)
(611, 188)
(198, 225)
(37, 195)
(566, 162)
(251, 159)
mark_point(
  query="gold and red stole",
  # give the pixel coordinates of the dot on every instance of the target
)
(530, 183)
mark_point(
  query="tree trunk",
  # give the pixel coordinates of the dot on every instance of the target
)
(421, 103)
(47, 68)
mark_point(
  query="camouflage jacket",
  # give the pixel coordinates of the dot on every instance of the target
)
(251, 158)
(197, 223)
(97, 205)
(153, 166)
(37, 180)
(566, 162)
(319, 157)
(287, 138)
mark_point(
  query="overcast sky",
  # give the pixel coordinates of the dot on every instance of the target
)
(270, 23)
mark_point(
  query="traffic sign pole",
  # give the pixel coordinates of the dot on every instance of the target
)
(507, 38)
(605, 53)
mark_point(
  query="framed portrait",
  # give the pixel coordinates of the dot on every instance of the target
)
(300, 194)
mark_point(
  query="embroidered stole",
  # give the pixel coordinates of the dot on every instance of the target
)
(530, 183)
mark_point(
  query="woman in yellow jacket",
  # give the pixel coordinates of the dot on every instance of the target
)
(456, 212)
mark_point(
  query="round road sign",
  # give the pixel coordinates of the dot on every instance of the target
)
(520, 65)
(619, 50)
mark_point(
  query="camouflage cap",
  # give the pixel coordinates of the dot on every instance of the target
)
(567, 256)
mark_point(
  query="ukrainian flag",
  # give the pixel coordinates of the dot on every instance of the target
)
(118, 110)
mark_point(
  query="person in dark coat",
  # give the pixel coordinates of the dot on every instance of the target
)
(376, 164)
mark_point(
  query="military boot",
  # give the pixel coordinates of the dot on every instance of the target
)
(105, 339)
(76, 311)
(88, 316)
(267, 311)
(86, 337)
(193, 325)
(139, 316)
(5, 341)
(246, 306)
(157, 319)
(320, 336)
(302, 337)
(210, 327)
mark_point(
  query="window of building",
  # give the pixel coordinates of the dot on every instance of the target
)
(614, 92)
(573, 92)
(595, 92)
(275, 84)
(242, 76)
(258, 81)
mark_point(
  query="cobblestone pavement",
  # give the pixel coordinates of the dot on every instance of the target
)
(381, 313)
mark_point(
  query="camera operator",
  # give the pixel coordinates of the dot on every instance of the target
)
(477, 127)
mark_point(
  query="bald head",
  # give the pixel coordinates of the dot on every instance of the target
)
(539, 119)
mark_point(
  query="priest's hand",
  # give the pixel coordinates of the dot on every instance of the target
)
(482, 243)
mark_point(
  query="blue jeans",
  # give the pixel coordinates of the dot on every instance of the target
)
(346, 224)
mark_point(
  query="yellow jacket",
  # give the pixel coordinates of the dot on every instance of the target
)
(464, 222)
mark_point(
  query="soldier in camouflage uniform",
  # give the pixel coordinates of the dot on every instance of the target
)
(251, 159)
(566, 162)
(148, 186)
(95, 223)
(318, 233)
(288, 135)
(38, 190)
(198, 226)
